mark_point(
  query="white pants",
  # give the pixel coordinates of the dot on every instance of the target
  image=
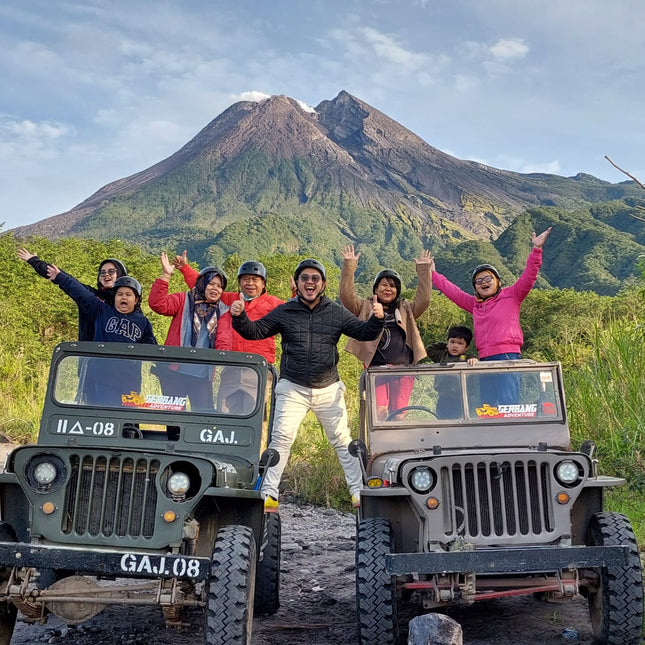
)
(328, 404)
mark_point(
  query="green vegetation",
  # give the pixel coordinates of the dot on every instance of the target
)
(599, 339)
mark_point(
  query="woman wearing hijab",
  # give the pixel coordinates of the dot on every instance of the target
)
(199, 319)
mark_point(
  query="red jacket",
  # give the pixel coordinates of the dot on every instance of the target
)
(174, 304)
(255, 309)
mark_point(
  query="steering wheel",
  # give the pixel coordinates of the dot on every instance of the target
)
(392, 414)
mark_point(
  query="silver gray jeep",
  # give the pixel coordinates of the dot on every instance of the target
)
(473, 491)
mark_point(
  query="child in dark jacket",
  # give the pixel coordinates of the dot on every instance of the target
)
(448, 387)
(106, 382)
(109, 271)
(454, 350)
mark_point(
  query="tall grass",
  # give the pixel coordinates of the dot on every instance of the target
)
(606, 403)
(22, 390)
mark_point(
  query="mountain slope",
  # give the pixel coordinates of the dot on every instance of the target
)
(275, 177)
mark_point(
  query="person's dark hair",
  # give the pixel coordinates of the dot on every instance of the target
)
(388, 273)
(461, 332)
(121, 270)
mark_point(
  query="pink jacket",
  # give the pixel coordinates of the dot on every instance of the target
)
(496, 321)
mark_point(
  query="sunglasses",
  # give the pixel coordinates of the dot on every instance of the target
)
(309, 278)
(485, 280)
(107, 272)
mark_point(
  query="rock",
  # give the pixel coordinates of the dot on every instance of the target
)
(434, 629)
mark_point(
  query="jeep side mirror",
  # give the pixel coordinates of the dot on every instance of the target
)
(358, 449)
(270, 457)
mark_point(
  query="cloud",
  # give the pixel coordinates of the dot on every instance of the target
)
(253, 95)
(24, 140)
(506, 48)
(387, 48)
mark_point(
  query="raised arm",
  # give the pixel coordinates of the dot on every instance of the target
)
(424, 266)
(347, 287)
(38, 265)
(77, 291)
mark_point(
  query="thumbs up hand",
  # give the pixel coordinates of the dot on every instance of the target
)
(237, 307)
(377, 308)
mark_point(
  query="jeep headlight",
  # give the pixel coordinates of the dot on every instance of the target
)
(567, 472)
(422, 479)
(178, 483)
(45, 473)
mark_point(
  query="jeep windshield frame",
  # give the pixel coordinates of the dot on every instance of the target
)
(461, 406)
(197, 399)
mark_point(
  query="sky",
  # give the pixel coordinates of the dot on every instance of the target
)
(96, 90)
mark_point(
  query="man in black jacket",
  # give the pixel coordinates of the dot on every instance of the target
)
(310, 325)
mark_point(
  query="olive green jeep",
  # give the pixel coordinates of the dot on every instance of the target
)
(143, 489)
(472, 491)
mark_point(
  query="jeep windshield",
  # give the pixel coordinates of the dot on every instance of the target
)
(169, 386)
(496, 392)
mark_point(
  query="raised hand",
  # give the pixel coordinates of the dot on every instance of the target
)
(377, 308)
(348, 253)
(539, 240)
(180, 260)
(166, 266)
(52, 271)
(237, 306)
(25, 255)
(426, 258)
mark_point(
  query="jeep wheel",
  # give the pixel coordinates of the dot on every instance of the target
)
(267, 586)
(229, 606)
(375, 589)
(8, 611)
(616, 606)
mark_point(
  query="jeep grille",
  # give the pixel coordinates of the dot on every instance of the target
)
(111, 496)
(498, 499)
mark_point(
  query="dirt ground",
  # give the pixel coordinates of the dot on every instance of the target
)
(317, 602)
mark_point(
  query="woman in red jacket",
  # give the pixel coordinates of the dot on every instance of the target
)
(235, 395)
(199, 319)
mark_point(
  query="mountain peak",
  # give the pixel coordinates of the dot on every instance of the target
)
(344, 166)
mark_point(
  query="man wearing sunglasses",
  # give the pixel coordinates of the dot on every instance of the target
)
(310, 325)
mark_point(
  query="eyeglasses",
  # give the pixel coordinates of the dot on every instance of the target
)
(305, 277)
(107, 272)
(485, 280)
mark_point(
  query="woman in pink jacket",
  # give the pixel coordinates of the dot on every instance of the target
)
(496, 313)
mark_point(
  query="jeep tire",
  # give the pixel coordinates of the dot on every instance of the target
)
(267, 585)
(229, 602)
(376, 602)
(616, 606)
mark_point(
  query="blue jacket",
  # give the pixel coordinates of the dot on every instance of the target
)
(110, 325)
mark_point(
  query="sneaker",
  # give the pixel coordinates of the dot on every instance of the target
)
(356, 500)
(270, 504)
